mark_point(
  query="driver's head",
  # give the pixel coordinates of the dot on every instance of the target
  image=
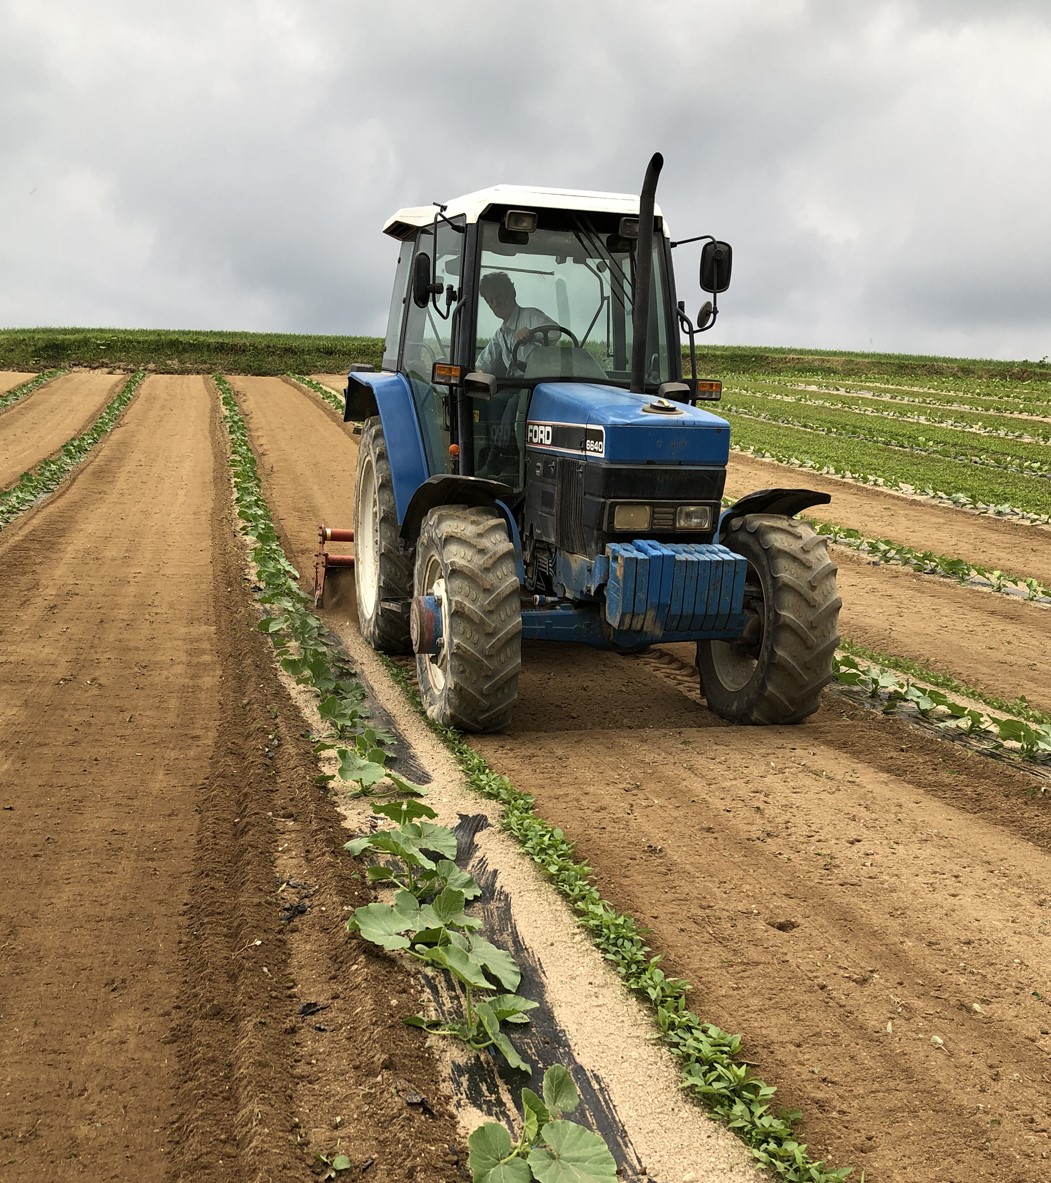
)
(498, 292)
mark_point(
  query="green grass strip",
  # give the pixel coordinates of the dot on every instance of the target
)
(49, 474)
(713, 1069)
(27, 387)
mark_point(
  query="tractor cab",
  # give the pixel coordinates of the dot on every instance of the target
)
(533, 464)
(499, 291)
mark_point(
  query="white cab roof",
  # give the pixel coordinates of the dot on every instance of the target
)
(473, 205)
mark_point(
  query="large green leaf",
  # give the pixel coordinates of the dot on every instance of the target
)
(535, 1114)
(571, 1154)
(512, 1008)
(364, 772)
(497, 962)
(460, 964)
(400, 812)
(560, 1093)
(453, 877)
(382, 925)
(489, 1146)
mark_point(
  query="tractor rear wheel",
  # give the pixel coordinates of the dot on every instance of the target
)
(382, 561)
(776, 671)
(466, 561)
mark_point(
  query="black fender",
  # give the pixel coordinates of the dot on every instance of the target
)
(778, 501)
(450, 489)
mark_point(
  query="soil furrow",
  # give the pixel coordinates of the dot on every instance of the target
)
(38, 425)
(9, 380)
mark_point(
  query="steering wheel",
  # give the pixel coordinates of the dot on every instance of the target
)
(547, 334)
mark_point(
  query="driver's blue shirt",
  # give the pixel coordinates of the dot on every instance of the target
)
(495, 358)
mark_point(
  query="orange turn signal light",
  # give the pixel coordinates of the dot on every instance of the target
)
(443, 374)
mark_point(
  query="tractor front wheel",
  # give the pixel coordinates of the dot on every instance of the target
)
(775, 672)
(382, 561)
(466, 562)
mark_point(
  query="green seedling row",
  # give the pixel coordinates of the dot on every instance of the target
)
(714, 1070)
(13, 395)
(427, 917)
(49, 474)
(987, 398)
(329, 396)
(926, 562)
(987, 490)
(1032, 741)
(982, 423)
(927, 439)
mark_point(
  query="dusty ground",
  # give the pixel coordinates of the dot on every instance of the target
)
(867, 906)
(153, 776)
(39, 424)
(9, 379)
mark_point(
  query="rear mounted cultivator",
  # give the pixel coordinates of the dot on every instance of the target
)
(324, 560)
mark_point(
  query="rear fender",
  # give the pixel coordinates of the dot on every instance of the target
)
(390, 397)
(787, 502)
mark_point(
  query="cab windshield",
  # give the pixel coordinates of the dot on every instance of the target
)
(557, 304)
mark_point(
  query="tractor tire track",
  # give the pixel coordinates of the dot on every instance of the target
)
(864, 903)
(37, 426)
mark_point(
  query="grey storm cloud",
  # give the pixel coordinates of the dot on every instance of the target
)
(879, 169)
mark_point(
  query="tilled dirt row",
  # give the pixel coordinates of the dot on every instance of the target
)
(38, 425)
(9, 379)
(867, 905)
(177, 1000)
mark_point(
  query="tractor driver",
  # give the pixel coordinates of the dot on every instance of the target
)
(498, 291)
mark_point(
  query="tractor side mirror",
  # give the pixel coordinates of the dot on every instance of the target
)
(716, 264)
(422, 287)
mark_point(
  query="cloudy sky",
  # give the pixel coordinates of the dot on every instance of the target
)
(882, 169)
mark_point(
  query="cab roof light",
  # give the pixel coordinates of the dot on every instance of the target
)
(520, 221)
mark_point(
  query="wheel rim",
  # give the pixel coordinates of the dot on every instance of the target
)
(435, 666)
(367, 541)
(735, 661)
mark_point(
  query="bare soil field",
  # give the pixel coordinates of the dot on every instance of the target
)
(867, 905)
(9, 379)
(38, 425)
(153, 774)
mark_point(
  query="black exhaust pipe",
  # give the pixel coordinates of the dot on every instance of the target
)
(640, 316)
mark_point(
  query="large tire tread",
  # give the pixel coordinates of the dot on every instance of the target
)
(483, 655)
(801, 630)
(384, 628)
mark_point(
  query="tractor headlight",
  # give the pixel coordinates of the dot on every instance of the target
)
(632, 517)
(693, 517)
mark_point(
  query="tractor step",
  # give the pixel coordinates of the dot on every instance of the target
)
(324, 560)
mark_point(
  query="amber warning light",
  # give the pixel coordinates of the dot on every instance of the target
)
(708, 390)
(444, 374)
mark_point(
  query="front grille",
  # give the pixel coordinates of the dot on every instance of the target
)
(663, 517)
(569, 505)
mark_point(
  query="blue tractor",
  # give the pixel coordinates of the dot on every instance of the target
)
(532, 464)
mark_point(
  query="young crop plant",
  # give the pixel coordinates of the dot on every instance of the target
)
(549, 1149)
(427, 919)
(297, 634)
(1030, 739)
(329, 396)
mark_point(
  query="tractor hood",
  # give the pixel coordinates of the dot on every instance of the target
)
(605, 423)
